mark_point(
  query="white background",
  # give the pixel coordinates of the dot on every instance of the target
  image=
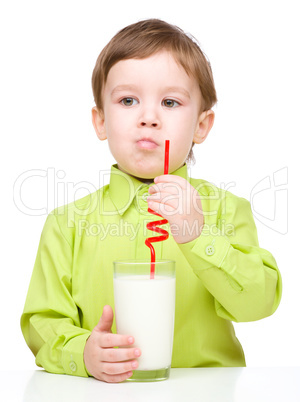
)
(48, 51)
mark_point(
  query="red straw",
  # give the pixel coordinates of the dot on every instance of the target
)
(166, 168)
(153, 225)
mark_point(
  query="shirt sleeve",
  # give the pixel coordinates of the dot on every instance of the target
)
(50, 321)
(243, 278)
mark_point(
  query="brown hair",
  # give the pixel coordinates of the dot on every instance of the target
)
(145, 38)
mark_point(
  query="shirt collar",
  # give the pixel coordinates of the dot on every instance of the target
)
(123, 187)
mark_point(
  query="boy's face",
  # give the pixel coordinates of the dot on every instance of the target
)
(147, 101)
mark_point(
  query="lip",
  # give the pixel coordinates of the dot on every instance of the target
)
(147, 143)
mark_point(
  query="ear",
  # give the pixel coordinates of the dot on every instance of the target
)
(205, 123)
(98, 123)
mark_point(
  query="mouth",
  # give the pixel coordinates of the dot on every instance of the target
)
(147, 143)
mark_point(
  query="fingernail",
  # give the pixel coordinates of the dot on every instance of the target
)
(137, 352)
(130, 339)
(134, 364)
(129, 373)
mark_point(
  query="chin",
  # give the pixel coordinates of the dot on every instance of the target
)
(146, 175)
(142, 171)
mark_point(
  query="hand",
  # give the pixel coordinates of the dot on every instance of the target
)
(177, 201)
(101, 359)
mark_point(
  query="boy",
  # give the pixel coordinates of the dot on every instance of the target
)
(150, 83)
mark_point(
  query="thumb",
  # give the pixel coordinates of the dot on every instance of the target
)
(106, 320)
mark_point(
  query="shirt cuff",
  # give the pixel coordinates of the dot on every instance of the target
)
(211, 248)
(72, 356)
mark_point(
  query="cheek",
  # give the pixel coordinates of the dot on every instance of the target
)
(121, 118)
(185, 129)
(186, 119)
(112, 123)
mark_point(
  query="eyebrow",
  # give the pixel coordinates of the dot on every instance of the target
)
(120, 88)
(178, 89)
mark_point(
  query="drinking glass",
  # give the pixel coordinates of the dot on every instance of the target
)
(145, 309)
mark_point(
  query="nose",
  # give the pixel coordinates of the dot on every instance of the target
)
(149, 118)
(143, 124)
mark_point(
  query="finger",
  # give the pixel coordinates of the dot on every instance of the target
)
(157, 188)
(119, 368)
(165, 198)
(114, 378)
(153, 189)
(169, 178)
(119, 355)
(109, 340)
(106, 320)
(169, 187)
(161, 208)
(167, 204)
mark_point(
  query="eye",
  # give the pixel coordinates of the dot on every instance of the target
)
(129, 101)
(170, 103)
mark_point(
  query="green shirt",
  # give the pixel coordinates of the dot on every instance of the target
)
(221, 276)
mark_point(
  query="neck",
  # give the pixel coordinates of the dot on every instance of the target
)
(146, 181)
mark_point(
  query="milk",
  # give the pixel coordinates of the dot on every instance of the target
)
(145, 309)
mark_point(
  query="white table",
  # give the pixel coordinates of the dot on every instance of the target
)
(184, 385)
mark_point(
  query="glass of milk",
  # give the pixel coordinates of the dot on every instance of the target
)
(145, 309)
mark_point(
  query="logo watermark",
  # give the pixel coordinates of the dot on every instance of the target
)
(269, 201)
(127, 229)
(268, 198)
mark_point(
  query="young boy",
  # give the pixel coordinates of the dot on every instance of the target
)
(150, 83)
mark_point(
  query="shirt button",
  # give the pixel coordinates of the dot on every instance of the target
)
(145, 196)
(73, 366)
(210, 250)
